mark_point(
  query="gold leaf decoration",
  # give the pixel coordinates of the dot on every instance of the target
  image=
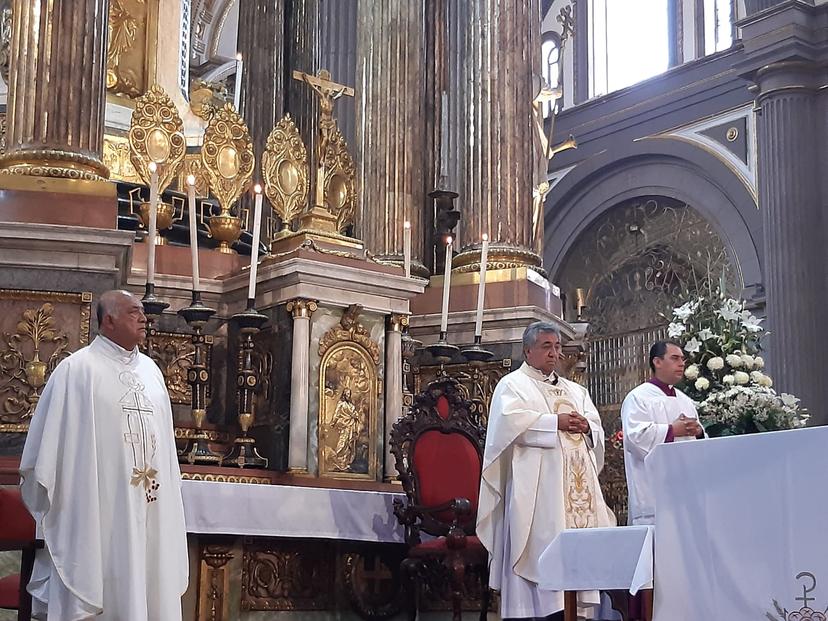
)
(156, 134)
(285, 171)
(227, 155)
(340, 194)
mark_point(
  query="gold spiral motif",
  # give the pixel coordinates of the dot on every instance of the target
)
(227, 157)
(285, 171)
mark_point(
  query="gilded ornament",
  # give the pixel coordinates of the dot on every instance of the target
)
(340, 172)
(127, 61)
(5, 42)
(227, 156)
(285, 172)
(117, 156)
(31, 351)
(156, 134)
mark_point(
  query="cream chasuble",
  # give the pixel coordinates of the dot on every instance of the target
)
(646, 415)
(101, 477)
(536, 482)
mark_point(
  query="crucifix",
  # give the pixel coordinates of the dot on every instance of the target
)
(328, 92)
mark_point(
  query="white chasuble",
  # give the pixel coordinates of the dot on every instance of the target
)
(536, 482)
(101, 477)
(646, 415)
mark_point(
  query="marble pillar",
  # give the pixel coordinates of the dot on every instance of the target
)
(393, 386)
(782, 46)
(303, 54)
(502, 40)
(391, 122)
(57, 87)
(298, 447)
(261, 44)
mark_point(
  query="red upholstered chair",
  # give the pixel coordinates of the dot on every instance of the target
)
(438, 447)
(17, 533)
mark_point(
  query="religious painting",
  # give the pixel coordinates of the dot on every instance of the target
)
(38, 329)
(348, 401)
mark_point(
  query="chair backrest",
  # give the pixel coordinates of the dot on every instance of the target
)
(438, 447)
(18, 524)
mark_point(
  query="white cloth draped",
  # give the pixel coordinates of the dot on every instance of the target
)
(646, 415)
(100, 476)
(745, 530)
(524, 499)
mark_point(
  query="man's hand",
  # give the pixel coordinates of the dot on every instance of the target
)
(573, 423)
(684, 426)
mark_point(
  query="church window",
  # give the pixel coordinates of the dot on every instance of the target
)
(551, 57)
(718, 25)
(629, 42)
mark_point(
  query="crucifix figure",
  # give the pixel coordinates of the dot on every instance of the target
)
(328, 91)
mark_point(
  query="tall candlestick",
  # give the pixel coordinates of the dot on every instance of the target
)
(254, 250)
(481, 289)
(237, 91)
(153, 215)
(446, 289)
(193, 230)
(407, 248)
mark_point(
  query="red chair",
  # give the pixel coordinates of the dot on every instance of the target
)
(438, 447)
(18, 533)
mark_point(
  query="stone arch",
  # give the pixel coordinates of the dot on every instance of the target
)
(655, 167)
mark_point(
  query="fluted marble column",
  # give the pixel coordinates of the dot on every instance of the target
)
(55, 112)
(391, 122)
(298, 447)
(501, 52)
(393, 386)
(261, 44)
(791, 120)
(303, 54)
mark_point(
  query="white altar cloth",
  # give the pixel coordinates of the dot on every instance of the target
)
(288, 511)
(738, 522)
(585, 559)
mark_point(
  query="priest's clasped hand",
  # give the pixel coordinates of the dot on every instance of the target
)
(573, 423)
(684, 426)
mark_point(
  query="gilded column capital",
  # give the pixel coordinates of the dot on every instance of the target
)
(301, 307)
(397, 321)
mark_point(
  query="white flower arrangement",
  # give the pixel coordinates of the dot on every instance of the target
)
(724, 375)
(715, 363)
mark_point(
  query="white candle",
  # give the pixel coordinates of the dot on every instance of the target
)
(153, 215)
(481, 289)
(446, 288)
(254, 249)
(407, 248)
(237, 92)
(193, 230)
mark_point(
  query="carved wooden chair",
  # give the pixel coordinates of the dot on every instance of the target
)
(438, 447)
(18, 533)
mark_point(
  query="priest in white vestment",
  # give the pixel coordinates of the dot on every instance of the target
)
(101, 477)
(653, 413)
(544, 450)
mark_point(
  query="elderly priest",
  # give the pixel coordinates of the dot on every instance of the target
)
(544, 450)
(101, 478)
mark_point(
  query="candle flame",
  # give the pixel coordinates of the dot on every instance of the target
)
(152, 167)
(485, 237)
(257, 189)
(238, 56)
(407, 224)
(190, 179)
(448, 241)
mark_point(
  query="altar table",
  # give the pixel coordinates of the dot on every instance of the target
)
(740, 529)
(290, 511)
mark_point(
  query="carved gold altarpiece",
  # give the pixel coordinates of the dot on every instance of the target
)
(349, 394)
(131, 56)
(38, 329)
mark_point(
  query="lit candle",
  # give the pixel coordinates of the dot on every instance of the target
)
(237, 92)
(446, 288)
(407, 248)
(254, 249)
(193, 230)
(481, 289)
(153, 215)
